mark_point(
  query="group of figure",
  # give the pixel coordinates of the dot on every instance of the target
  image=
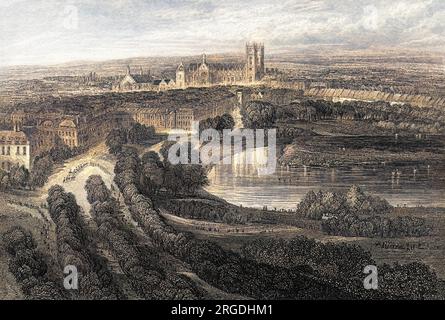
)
(73, 172)
(25, 204)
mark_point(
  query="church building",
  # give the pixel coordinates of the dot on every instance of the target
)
(206, 73)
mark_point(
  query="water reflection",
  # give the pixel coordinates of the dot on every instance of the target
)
(404, 185)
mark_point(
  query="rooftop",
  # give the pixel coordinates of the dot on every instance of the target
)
(13, 136)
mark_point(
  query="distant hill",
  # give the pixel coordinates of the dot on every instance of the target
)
(157, 66)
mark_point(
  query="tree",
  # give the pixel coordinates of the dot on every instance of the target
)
(96, 189)
(151, 157)
(193, 177)
(152, 172)
(226, 122)
(218, 123)
(42, 168)
(28, 265)
(413, 281)
(258, 115)
(17, 238)
(19, 176)
(60, 152)
(115, 140)
(139, 133)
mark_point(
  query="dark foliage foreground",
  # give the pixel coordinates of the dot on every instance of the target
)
(357, 214)
(223, 269)
(74, 248)
(140, 263)
(29, 267)
(343, 264)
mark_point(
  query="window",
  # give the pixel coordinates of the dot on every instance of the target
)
(18, 151)
(3, 150)
(24, 151)
(8, 151)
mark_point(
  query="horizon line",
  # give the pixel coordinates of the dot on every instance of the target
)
(318, 47)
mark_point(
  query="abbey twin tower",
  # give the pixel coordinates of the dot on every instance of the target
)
(205, 73)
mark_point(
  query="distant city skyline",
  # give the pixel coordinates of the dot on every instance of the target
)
(52, 31)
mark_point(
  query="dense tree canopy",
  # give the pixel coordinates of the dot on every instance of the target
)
(218, 123)
(140, 263)
(355, 213)
(74, 245)
(29, 267)
(223, 269)
(258, 115)
(343, 264)
(136, 134)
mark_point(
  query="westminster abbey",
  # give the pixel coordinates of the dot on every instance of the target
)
(205, 73)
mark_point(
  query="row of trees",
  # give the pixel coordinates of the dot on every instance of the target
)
(140, 263)
(29, 266)
(343, 264)
(356, 214)
(74, 248)
(353, 225)
(223, 269)
(398, 118)
(208, 210)
(383, 114)
(136, 134)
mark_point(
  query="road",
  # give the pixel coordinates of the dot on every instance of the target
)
(95, 161)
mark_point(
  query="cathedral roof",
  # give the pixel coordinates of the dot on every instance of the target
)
(158, 81)
(142, 78)
(217, 66)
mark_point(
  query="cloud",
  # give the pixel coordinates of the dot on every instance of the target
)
(35, 31)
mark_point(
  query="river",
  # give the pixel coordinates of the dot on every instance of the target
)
(240, 184)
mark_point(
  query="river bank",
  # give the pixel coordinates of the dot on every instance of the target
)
(324, 151)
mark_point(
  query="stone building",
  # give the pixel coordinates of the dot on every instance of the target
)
(166, 119)
(14, 149)
(72, 130)
(143, 82)
(206, 73)
(51, 131)
(76, 130)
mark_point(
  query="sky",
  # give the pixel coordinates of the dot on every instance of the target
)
(53, 31)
